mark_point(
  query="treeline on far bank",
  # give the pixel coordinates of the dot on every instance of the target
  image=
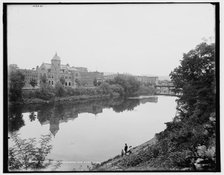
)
(120, 86)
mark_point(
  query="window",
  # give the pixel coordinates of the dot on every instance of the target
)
(52, 82)
(65, 83)
(69, 83)
(49, 82)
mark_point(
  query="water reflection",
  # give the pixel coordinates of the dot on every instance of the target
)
(32, 116)
(59, 113)
(15, 119)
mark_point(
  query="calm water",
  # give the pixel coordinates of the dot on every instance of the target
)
(93, 131)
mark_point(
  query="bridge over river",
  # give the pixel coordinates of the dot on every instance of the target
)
(165, 90)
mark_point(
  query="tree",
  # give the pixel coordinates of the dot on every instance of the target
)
(59, 89)
(105, 88)
(16, 83)
(195, 80)
(83, 83)
(15, 118)
(62, 80)
(43, 79)
(95, 82)
(29, 154)
(78, 83)
(33, 82)
(127, 82)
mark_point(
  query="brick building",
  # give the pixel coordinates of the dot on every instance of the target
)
(55, 71)
(147, 80)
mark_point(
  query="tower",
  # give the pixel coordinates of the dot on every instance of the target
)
(55, 68)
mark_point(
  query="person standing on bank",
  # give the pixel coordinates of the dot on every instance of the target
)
(126, 148)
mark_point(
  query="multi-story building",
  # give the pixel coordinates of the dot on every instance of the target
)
(29, 75)
(72, 76)
(55, 71)
(147, 79)
(110, 76)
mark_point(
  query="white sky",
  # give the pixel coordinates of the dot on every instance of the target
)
(138, 39)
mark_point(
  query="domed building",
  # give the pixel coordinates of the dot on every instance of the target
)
(69, 76)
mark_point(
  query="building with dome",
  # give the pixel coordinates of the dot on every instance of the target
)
(55, 71)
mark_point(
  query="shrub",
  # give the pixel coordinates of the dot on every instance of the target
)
(59, 90)
(29, 154)
(105, 88)
(116, 88)
(45, 93)
(16, 83)
(127, 82)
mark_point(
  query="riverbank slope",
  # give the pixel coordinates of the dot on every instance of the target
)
(131, 162)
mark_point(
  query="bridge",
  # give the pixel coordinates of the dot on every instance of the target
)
(165, 90)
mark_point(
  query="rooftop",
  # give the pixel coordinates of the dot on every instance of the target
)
(56, 57)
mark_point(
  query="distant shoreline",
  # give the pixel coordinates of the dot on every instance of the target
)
(63, 99)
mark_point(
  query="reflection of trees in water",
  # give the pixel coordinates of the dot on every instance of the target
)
(130, 104)
(32, 116)
(126, 105)
(29, 154)
(149, 99)
(15, 118)
(54, 114)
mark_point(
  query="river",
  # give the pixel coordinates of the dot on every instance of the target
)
(82, 133)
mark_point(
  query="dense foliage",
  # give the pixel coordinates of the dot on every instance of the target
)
(129, 84)
(193, 128)
(16, 83)
(122, 85)
(28, 154)
(33, 82)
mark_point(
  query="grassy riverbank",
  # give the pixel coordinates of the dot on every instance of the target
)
(136, 161)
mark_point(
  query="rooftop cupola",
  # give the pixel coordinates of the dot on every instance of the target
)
(56, 64)
(56, 57)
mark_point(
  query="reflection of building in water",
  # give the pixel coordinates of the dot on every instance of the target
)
(54, 125)
(149, 99)
(54, 115)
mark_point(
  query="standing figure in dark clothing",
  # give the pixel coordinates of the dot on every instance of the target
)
(122, 152)
(126, 148)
